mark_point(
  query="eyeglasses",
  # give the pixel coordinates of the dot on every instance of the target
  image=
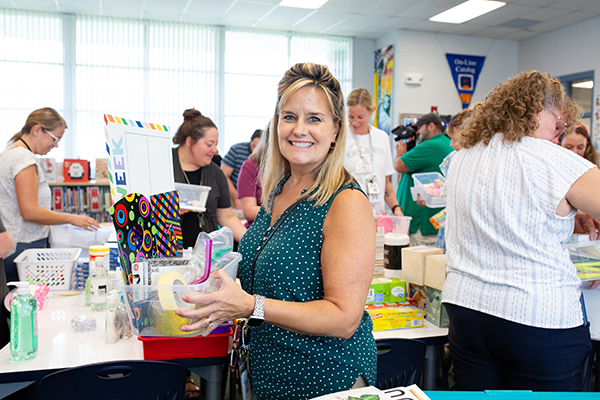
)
(56, 139)
(561, 120)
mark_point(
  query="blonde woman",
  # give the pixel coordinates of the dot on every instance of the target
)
(24, 193)
(308, 256)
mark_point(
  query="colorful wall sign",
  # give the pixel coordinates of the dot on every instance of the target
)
(465, 72)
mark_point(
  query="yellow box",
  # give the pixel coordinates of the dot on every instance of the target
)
(435, 271)
(413, 263)
(395, 316)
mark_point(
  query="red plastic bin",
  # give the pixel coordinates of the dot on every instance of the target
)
(159, 348)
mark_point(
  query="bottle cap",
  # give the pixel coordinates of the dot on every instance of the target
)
(396, 239)
(22, 287)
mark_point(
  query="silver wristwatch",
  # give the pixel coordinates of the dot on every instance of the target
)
(258, 316)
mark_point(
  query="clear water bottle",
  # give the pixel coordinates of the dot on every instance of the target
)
(23, 324)
(88, 286)
(98, 285)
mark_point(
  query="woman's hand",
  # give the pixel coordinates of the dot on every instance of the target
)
(85, 222)
(228, 303)
(585, 222)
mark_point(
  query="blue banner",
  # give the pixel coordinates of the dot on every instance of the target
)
(465, 72)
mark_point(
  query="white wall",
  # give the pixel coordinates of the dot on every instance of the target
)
(425, 53)
(566, 51)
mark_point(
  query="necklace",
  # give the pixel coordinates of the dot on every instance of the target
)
(188, 182)
(25, 143)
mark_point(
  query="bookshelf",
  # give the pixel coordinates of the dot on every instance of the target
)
(90, 198)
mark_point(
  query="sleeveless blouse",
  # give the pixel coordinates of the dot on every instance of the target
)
(289, 365)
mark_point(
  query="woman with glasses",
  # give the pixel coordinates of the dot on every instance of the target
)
(24, 193)
(517, 318)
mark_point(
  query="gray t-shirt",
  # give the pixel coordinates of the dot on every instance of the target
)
(13, 160)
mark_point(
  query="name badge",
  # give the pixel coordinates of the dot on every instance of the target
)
(363, 167)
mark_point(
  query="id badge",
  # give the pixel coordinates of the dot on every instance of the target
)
(245, 380)
(363, 167)
(372, 187)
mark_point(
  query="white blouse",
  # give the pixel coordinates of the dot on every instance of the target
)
(503, 236)
(13, 160)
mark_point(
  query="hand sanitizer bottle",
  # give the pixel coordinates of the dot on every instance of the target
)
(23, 324)
(99, 283)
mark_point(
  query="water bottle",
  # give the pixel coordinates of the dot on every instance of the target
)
(23, 324)
(88, 286)
(112, 322)
(98, 285)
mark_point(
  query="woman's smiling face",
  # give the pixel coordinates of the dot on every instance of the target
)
(306, 128)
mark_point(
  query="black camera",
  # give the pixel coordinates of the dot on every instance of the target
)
(408, 134)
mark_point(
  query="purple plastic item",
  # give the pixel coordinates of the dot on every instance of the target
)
(207, 263)
(223, 328)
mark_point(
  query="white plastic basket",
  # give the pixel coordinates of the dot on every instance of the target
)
(52, 267)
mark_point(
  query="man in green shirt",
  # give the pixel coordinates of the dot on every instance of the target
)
(431, 149)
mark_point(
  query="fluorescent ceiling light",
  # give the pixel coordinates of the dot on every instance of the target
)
(313, 4)
(584, 84)
(467, 11)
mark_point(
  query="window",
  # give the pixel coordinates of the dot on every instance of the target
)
(151, 71)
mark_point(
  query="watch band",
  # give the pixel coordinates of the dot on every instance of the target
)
(259, 306)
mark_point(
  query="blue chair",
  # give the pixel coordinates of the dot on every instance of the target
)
(399, 362)
(131, 380)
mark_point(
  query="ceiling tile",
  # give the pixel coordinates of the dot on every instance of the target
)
(546, 14)
(322, 20)
(539, 3)
(503, 14)
(576, 5)
(388, 8)
(426, 9)
(464, 29)
(282, 18)
(496, 32)
(350, 6)
(570, 19)
(520, 35)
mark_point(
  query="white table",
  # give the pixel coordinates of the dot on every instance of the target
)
(433, 336)
(59, 347)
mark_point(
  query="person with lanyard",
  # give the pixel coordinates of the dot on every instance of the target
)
(25, 196)
(197, 140)
(368, 156)
(307, 259)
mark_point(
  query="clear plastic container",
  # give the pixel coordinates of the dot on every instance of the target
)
(429, 186)
(392, 224)
(585, 255)
(192, 197)
(65, 236)
(152, 308)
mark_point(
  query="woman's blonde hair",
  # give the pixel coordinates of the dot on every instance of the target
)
(45, 117)
(331, 175)
(512, 109)
(360, 96)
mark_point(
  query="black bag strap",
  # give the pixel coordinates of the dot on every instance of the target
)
(271, 231)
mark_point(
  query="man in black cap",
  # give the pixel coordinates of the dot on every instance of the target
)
(431, 149)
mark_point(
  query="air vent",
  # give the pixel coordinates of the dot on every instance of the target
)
(520, 23)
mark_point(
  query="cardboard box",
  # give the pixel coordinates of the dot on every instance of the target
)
(435, 271)
(417, 295)
(395, 316)
(386, 290)
(413, 263)
(75, 170)
(436, 312)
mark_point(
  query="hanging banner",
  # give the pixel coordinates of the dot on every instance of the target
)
(384, 71)
(465, 72)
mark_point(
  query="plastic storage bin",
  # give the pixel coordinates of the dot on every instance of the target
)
(151, 308)
(192, 197)
(429, 185)
(52, 267)
(392, 224)
(585, 254)
(67, 236)
(169, 348)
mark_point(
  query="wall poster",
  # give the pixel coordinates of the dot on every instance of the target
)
(382, 96)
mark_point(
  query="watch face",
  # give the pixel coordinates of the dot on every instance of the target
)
(254, 321)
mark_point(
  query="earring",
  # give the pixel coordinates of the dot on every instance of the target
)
(332, 145)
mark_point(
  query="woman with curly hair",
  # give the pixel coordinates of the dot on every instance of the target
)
(517, 319)
(579, 142)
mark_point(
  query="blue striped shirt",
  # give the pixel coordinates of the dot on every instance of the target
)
(235, 157)
(503, 237)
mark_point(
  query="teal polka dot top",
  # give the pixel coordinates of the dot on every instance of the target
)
(284, 364)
